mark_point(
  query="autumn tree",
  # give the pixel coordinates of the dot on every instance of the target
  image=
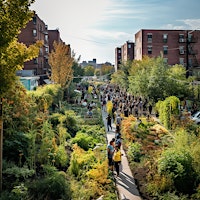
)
(61, 61)
(14, 15)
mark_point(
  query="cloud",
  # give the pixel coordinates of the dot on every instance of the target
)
(192, 24)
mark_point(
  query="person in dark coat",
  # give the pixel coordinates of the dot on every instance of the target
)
(109, 122)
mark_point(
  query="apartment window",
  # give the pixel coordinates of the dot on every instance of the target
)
(165, 38)
(149, 48)
(119, 50)
(41, 51)
(165, 50)
(190, 37)
(34, 20)
(46, 38)
(181, 38)
(181, 61)
(181, 50)
(47, 49)
(165, 60)
(129, 46)
(35, 60)
(149, 37)
(34, 32)
(190, 62)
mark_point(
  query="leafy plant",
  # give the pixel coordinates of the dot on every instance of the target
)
(53, 186)
(134, 152)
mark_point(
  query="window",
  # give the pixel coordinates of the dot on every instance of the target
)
(181, 50)
(165, 50)
(47, 49)
(149, 37)
(190, 62)
(119, 50)
(165, 60)
(35, 60)
(34, 32)
(189, 37)
(149, 48)
(181, 61)
(34, 20)
(46, 38)
(181, 38)
(129, 46)
(165, 38)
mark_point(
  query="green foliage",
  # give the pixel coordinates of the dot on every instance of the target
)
(53, 186)
(134, 152)
(83, 140)
(47, 95)
(178, 164)
(167, 109)
(16, 147)
(89, 70)
(173, 196)
(61, 158)
(14, 175)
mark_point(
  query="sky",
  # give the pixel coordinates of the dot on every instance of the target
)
(94, 28)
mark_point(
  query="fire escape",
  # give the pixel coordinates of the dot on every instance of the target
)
(191, 54)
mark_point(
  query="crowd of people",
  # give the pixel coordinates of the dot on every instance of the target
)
(123, 104)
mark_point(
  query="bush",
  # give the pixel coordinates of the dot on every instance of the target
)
(134, 152)
(51, 187)
(84, 141)
(178, 164)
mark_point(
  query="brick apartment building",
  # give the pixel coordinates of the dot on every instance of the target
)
(36, 30)
(176, 46)
(124, 53)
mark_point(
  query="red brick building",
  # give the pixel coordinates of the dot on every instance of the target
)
(124, 53)
(118, 57)
(176, 47)
(35, 30)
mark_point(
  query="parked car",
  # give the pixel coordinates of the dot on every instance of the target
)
(196, 117)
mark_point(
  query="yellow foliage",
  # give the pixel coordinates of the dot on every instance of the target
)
(126, 127)
(100, 173)
(109, 107)
(159, 129)
(90, 88)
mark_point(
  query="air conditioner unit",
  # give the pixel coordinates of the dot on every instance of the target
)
(181, 51)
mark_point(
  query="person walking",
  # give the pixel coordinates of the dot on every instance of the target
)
(117, 158)
(110, 151)
(109, 121)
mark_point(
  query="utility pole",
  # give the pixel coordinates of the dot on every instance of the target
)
(1, 142)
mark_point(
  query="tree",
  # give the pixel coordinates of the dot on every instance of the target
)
(61, 62)
(106, 69)
(89, 70)
(78, 71)
(121, 76)
(14, 15)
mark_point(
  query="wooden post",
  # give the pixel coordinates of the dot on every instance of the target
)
(1, 142)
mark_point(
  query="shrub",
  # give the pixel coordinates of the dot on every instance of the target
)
(134, 152)
(83, 140)
(52, 187)
(178, 164)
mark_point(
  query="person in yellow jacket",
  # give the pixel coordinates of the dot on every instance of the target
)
(117, 158)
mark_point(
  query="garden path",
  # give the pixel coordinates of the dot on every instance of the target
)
(125, 183)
